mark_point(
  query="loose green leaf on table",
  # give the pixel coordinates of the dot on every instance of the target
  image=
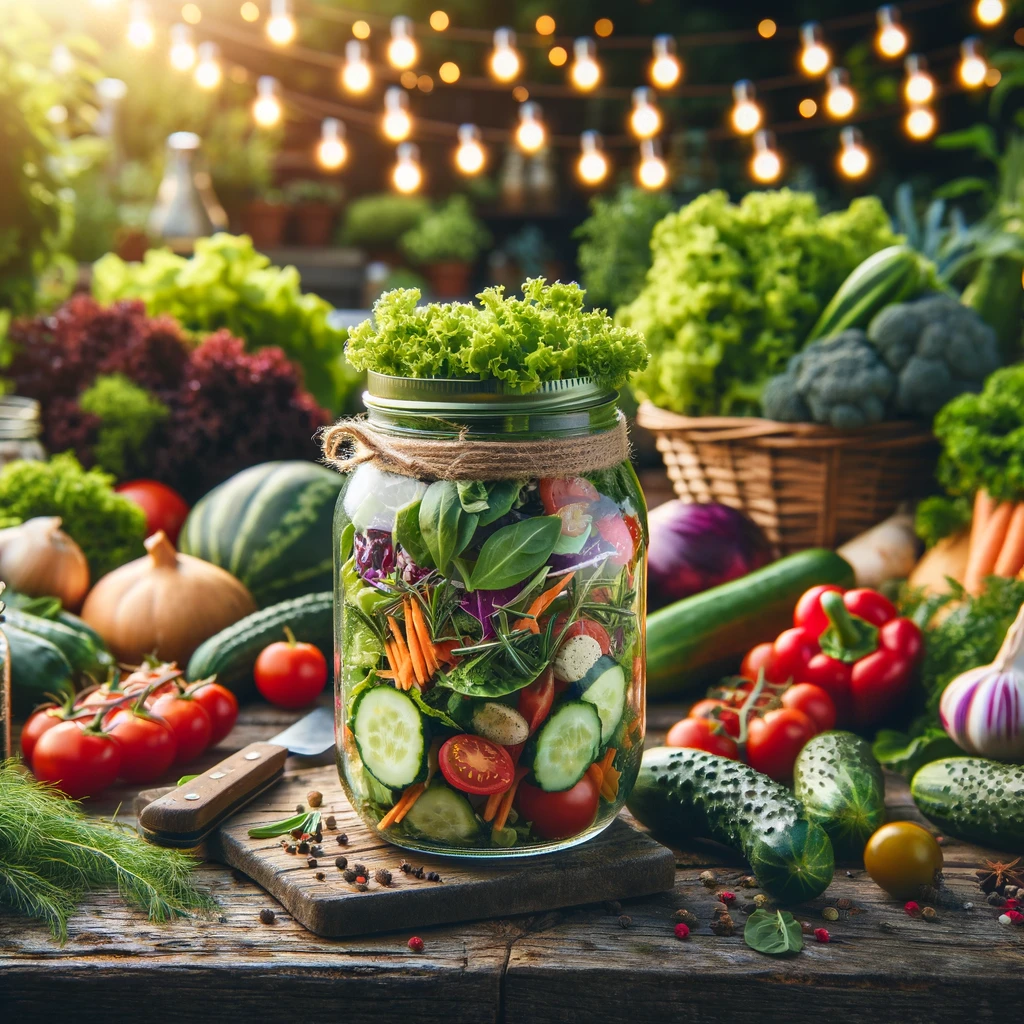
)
(446, 528)
(775, 932)
(514, 552)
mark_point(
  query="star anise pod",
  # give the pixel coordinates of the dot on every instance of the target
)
(994, 874)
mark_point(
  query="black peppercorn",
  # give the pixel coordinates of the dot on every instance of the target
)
(303, 847)
(362, 886)
(311, 862)
(267, 915)
(349, 875)
(330, 821)
(405, 867)
(299, 808)
(319, 876)
(360, 869)
(625, 921)
(341, 862)
(383, 876)
(290, 848)
(342, 839)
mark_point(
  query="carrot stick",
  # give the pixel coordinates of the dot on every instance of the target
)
(423, 634)
(396, 662)
(982, 558)
(984, 506)
(386, 675)
(402, 805)
(542, 603)
(1011, 556)
(610, 785)
(507, 798)
(492, 805)
(606, 761)
(419, 664)
(596, 775)
(403, 653)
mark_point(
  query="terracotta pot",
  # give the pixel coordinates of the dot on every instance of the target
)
(314, 223)
(265, 223)
(449, 280)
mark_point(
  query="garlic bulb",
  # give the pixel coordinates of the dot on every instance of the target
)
(982, 710)
(38, 559)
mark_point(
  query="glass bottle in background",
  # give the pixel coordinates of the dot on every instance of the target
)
(20, 428)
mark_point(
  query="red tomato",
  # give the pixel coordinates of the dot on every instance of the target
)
(148, 746)
(614, 531)
(557, 491)
(774, 741)
(108, 693)
(143, 678)
(792, 650)
(814, 702)
(757, 658)
(77, 758)
(834, 678)
(475, 765)
(575, 519)
(536, 699)
(585, 627)
(558, 815)
(808, 614)
(869, 605)
(717, 710)
(700, 734)
(41, 720)
(290, 673)
(165, 508)
(189, 722)
(221, 705)
(635, 530)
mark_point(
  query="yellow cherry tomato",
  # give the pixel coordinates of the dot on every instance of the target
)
(901, 857)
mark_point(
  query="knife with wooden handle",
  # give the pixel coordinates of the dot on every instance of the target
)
(186, 815)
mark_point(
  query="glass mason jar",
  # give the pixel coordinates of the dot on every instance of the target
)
(489, 636)
(19, 430)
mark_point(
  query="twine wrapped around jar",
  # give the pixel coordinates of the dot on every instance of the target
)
(351, 442)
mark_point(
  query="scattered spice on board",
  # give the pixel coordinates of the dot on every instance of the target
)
(844, 903)
(359, 869)
(723, 925)
(761, 900)
(747, 882)
(416, 944)
(383, 876)
(314, 798)
(362, 886)
(341, 862)
(267, 916)
(929, 914)
(349, 876)
(727, 897)
(319, 876)
(682, 931)
(311, 862)
(822, 935)
(291, 848)
(994, 874)
(342, 839)
(911, 908)
(708, 879)
(299, 808)
(331, 822)
(303, 847)
(888, 927)
(830, 914)
(995, 900)
(1012, 917)
(625, 921)
(688, 917)
(807, 928)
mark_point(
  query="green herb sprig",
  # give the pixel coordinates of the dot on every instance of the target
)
(304, 821)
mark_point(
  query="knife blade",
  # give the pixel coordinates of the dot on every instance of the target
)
(186, 815)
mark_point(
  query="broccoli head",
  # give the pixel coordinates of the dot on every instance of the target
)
(938, 349)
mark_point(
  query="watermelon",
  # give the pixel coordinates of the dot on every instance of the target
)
(270, 526)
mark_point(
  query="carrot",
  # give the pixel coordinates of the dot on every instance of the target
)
(596, 775)
(606, 761)
(406, 669)
(396, 663)
(610, 785)
(507, 798)
(982, 557)
(1011, 555)
(443, 650)
(419, 663)
(984, 506)
(386, 675)
(542, 603)
(402, 806)
(492, 805)
(415, 615)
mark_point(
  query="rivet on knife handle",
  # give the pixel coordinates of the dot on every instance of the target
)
(195, 806)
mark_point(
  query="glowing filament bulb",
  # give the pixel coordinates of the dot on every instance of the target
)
(281, 27)
(331, 151)
(919, 86)
(814, 55)
(746, 114)
(407, 175)
(402, 50)
(989, 12)
(183, 49)
(267, 111)
(530, 134)
(839, 99)
(665, 69)
(645, 118)
(592, 165)
(356, 76)
(396, 124)
(854, 160)
(920, 122)
(208, 73)
(891, 40)
(652, 172)
(505, 62)
(765, 164)
(973, 66)
(469, 154)
(140, 31)
(585, 71)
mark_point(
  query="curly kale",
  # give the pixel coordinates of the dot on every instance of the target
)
(127, 416)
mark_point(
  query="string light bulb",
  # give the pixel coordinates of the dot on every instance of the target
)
(814, 54)
(331, 151)
(183, 48)
(281, 27)
(356, 76)
(469, 154)
(891, 40)
(746, 114)
(665, 69)
(407, 175)
(585, 71)
(140, 32)
(652, 171)
(920, 122)
(973, 66)
(839, 99)
(919, 86)
(530, 133)
(505, 62)
(854, 159)
(592, 165)
(396, 123)
(765, 164)
(989, 12)
(402, 49)
(62, 60)
(267, 110)
(645, 118)
(208, 74)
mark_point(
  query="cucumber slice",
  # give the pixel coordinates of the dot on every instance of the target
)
(566, 746)
(604, 686)
(443, 815)
(391, 736)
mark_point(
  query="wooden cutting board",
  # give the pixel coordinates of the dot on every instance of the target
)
(620, 863)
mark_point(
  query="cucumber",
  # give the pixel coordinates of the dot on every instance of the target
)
(567, 745)
(38, 668)
(974, 799)
(690, 794)
(443, 815)
(83, 627)
(701, 638)
(604, 686)
(76, 645)
(391, 735)
(231, 654)
(837, 779)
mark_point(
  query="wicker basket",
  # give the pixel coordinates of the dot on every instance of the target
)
(805, 485)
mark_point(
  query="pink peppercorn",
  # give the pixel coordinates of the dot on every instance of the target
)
(1011, 917)
(416, 944)
(822, 935)
(911, 908)
(727, 897)
(682, 930)
(1011, 904)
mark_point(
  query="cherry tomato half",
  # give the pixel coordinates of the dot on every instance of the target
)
(558, 815)
(558, 491)
(189, 722)
(585, 627)
(717, 710)
(901, 857)
(814, 702)
(148, 746)
(290, 673)
(221, 705)
(700, 734)
(614, 531)
(79, 760)
(757, 658)
(774, 741)
(536, 699)
(475, 765)
(165, 509)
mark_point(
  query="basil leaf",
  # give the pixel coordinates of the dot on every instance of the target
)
(775, 932)
(348, 536)
(445, 527)
(515, 552)
(407, 534)
(501, 496)
(472, 495)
